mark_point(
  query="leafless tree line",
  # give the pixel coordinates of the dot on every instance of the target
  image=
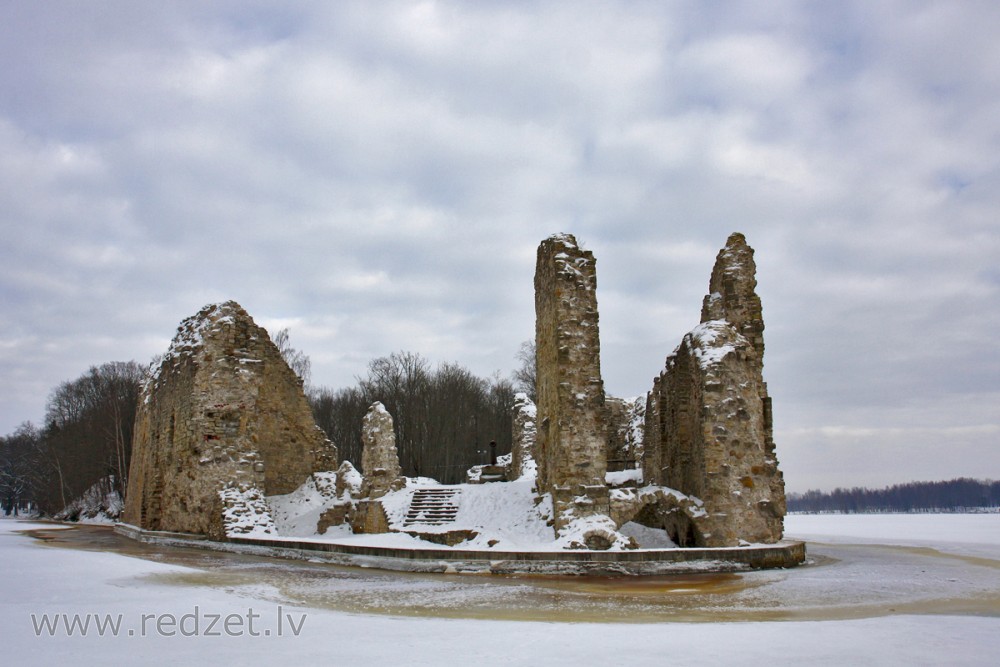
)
(86, 438)
(444, 417)
(962, 494)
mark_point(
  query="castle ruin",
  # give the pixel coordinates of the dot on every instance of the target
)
(708, 427)
(222, 421)
(707, 434)
(572, 427)
(224, 435)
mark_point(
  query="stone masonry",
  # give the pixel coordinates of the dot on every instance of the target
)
(222, 411)
(379, 458)
(522, 458)
(625, 418)
(380, 470)
(571, 442)
(708, 418)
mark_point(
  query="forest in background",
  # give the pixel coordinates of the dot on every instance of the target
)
(956, 495)
(445, 418)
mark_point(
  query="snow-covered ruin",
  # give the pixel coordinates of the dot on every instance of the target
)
(225, 447)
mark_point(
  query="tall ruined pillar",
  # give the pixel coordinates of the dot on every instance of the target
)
(572, 439)
(380, 470)
(708, 428)
(222, 413)
(379, 458)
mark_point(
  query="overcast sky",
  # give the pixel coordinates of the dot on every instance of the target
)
(377, 177)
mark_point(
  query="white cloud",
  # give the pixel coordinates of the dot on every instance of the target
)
(379, 176)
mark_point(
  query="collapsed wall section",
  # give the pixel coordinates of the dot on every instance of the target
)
(222, 410)
(708, 427)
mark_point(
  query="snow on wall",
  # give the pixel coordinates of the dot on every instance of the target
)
(246, 512)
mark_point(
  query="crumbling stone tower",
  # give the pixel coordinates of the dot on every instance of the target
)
(708, 417)
(379, 458)
(223, 409)
(571, 439)
(381, 472)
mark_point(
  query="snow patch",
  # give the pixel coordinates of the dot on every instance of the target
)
(623, 477)
(101, 503)
(246, 512)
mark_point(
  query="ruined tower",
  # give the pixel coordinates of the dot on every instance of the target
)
(571, 439)
(708, 418)
(379, 458)
(222, 411)
(381, 472)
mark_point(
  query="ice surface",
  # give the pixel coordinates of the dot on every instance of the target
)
(967, 534)
(398, 627)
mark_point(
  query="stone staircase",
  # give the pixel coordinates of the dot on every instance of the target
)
(433, 506)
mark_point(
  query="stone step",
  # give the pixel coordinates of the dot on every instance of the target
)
(433, 507)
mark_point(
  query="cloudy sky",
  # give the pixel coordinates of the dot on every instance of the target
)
(377, 177)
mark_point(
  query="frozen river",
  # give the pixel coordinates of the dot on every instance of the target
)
(850, 573)
(896, 589)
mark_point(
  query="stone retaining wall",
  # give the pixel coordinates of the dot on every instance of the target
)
(634, 563)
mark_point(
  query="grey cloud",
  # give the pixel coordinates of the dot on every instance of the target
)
(377, 177)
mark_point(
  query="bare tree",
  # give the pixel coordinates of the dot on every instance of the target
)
(18, 461)
(88, 433)
(297, 360)
(443, 418)
(526, 375)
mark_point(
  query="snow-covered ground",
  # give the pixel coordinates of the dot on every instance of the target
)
(967, 534)
(913, 606)
(502, 517)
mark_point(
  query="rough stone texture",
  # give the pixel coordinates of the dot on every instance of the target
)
(708, 418)
(337, 515)
(245, 511)
(659, 507)
(379, 459)
(223, 409)
(522, 459)
(571, 443)
(625, 420)
(369, 517)
(380, 470)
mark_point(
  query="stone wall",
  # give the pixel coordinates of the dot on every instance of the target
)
(223, 409)
(625, 435)
(708, 427)
(380, 468)
(571, 439)
(522, 458)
